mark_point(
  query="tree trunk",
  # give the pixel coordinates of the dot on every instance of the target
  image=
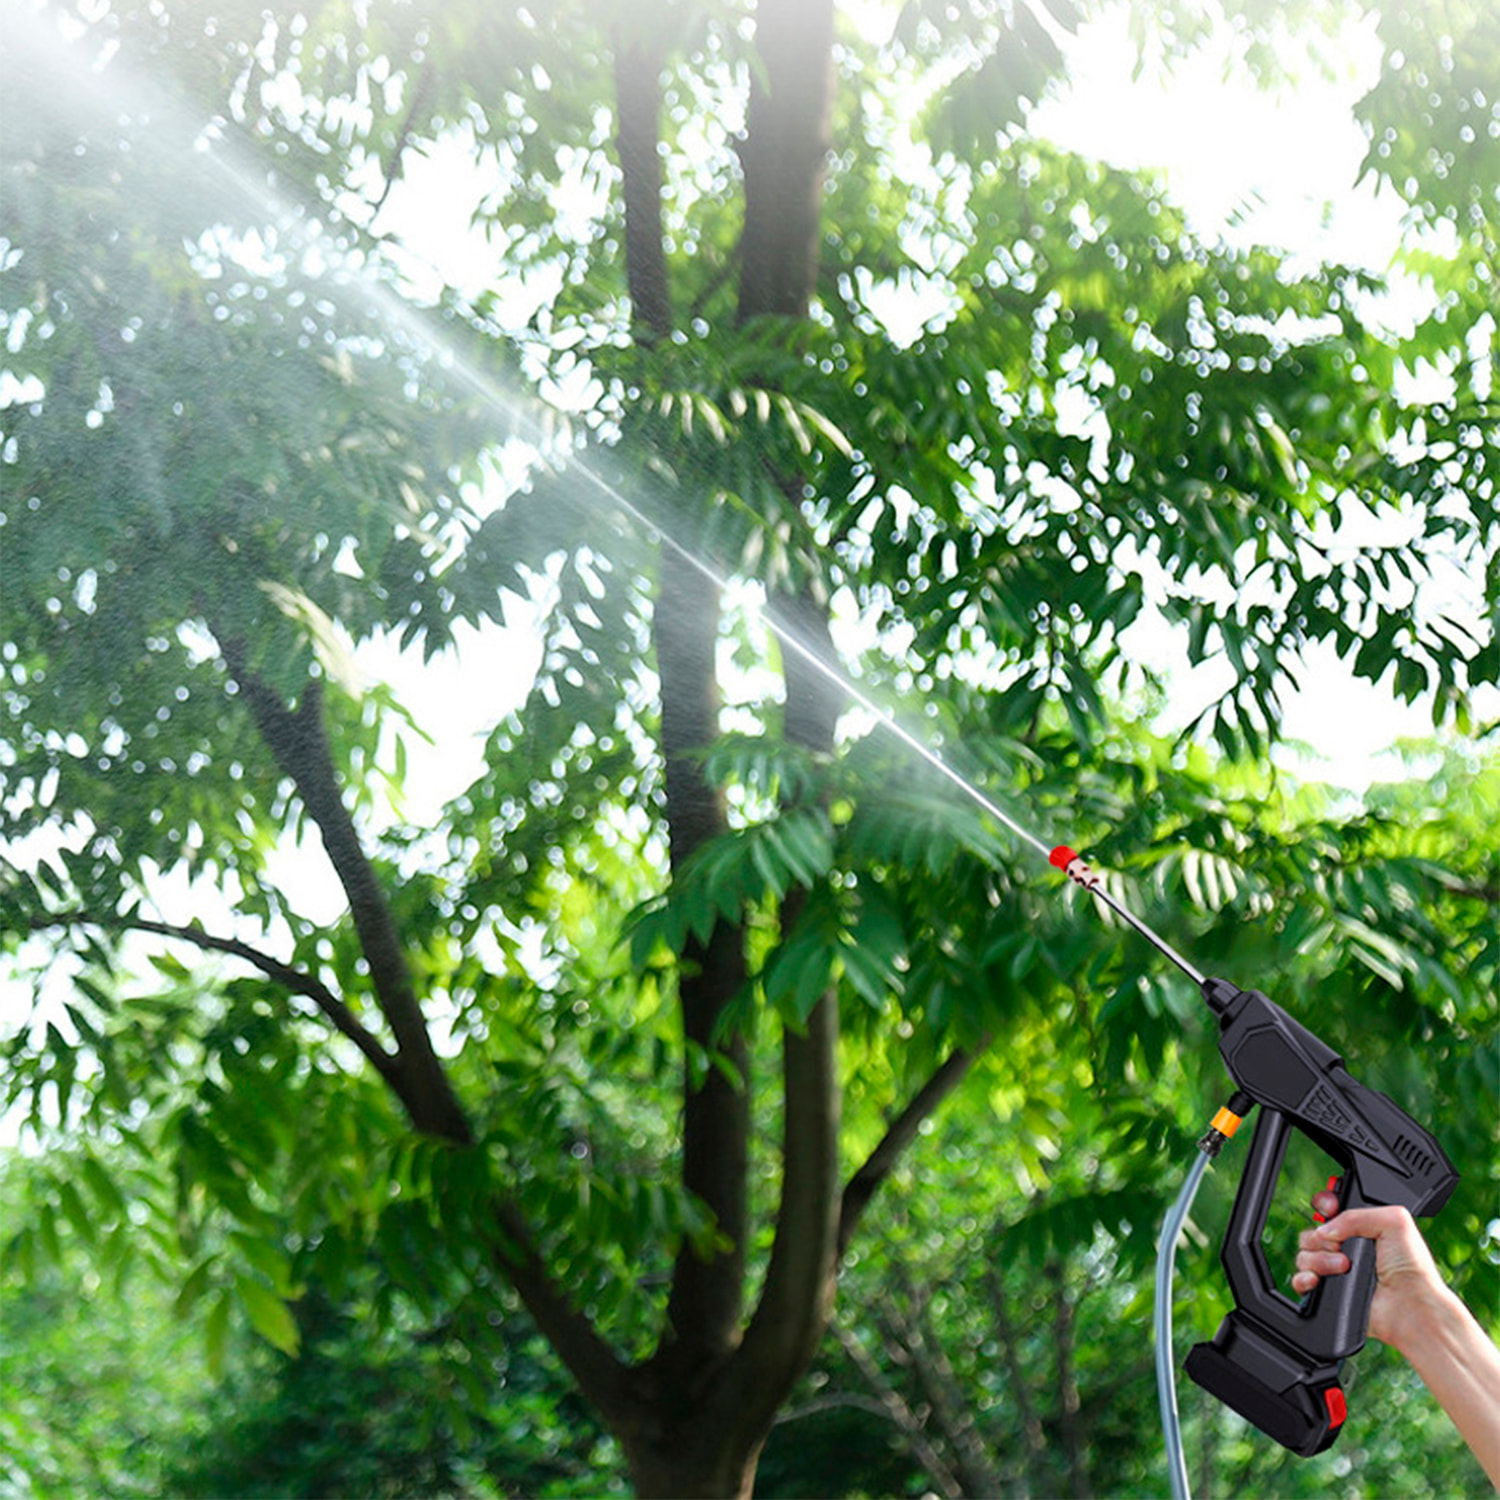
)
(710, 1394)
(785, 155)
(706, 1303)
(680, 1468)
(1068, 1421)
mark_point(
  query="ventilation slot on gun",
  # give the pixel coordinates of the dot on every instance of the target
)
(1414, 1156)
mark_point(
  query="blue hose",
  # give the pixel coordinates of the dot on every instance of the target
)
(1166, 1375)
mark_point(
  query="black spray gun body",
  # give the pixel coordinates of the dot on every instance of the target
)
(1276, 1360)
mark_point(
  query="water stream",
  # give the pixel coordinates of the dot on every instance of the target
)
(216, 170)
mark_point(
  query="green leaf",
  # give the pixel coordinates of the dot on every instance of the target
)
(194, 1287)
(270, 1317)
(799, 972)
(104, 1187)
(270, 1260)
(216, 1334)
(73, 1206)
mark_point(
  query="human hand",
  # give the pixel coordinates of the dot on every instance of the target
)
(1407, 1283)
(1416, 1313)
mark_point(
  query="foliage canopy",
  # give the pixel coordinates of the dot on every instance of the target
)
(548, 1037)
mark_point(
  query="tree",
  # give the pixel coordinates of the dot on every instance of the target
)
(221, 473)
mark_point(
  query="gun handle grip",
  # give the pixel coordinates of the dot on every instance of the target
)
(1274, 1360)
(1332, 1322)
(1341, 1304)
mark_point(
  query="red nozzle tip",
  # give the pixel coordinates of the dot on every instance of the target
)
(1062, 856)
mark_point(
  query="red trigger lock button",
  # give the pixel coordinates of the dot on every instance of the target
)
(1333, 1399)
(1335, 1185)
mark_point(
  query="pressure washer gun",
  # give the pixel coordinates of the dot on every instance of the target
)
(1276, 1360)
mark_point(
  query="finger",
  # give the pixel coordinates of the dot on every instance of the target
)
(1304, 1281)
(1326, 1204)
(1317, 1239)
(1323, 1262)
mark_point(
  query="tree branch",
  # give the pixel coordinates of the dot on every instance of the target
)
(299, 983)
(935, 1376)
(835, 1401)
(1068, 1403)
(298, 739)
(880, 1163)
(798, 1294)
(604, 1378)
(598, 1370)
(907, 1422)
(706, 1302)
(391, 168)
(1020, 1386)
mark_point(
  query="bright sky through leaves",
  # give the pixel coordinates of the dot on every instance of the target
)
(1251, 164)
(1270, 166)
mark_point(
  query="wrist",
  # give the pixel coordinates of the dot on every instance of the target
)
(1428, 1318)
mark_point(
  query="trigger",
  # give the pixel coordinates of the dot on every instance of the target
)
(1335, 1185)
